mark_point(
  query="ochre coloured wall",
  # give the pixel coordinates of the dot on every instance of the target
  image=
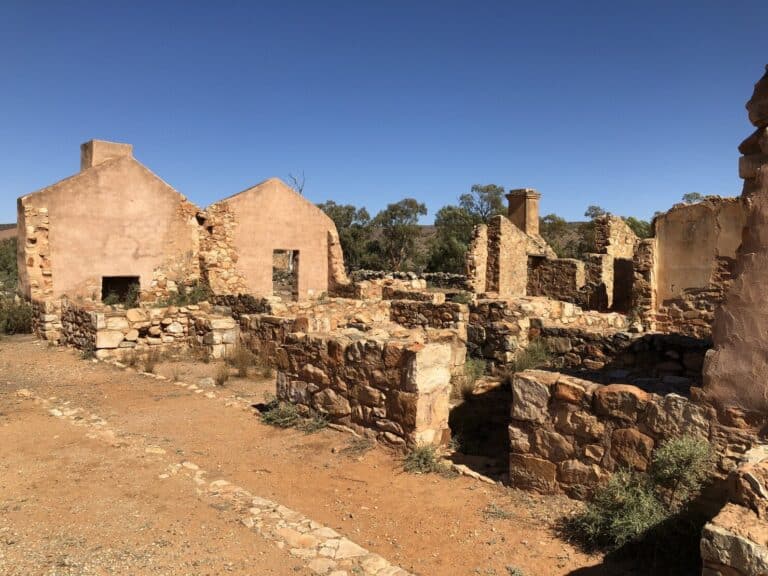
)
(272, 216)
(114, 219)
(690, 238)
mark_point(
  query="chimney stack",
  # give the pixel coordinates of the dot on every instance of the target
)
(523, 210)
(95, 152)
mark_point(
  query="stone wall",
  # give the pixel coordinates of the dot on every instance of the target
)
(410, 313)
(33, 252)
(559, 279)
(735, 542)
(113, 333)
(497, 259)
(657, 362)
(736, 372)
(432, 279)
(114, 218)
(614, 237)
(696, 247)
(217, 251)
(499, 329)
(567, 435)
(395, 390)
(694, 311)
(644, 287)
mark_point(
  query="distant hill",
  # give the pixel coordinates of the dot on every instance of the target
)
(7, 231)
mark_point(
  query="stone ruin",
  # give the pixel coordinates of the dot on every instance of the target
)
(648, 338)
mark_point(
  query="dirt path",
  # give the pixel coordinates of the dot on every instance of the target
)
(67, 499)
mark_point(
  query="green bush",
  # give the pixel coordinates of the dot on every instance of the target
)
(536, 355)
(9, 276)
(464, 384)
(424, 459)
(15, 316)
(242, 359)
(649, 510)
(619, 512)
(111, 299)
(280, 414)
(679, 468)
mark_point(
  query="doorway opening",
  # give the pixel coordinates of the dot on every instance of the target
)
(285, 274)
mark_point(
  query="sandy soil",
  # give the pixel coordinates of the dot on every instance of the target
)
(70, 504)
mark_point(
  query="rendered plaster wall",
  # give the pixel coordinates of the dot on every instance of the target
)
(115, 218)
(271, 216)
(689, 240)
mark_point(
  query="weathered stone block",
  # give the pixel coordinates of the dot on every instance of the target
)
(530, 396)
(631, 448)
(734, 543)
(108, 338)
(551, 445)
(532, 473)
(620, 401)
(331, 403)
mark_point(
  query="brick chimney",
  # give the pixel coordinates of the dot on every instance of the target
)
(95, 152)
(523, 210)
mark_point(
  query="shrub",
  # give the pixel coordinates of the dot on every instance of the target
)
(242, 359)
(495, 512)
(462, 385)
(151, 359)
(424, 459)
(537, 354)
(461, 297)
(650, 510)
(679, 469)
(315, 422)
(357, 447)
(133, 295)
(222, 375)
(15, 316)
(280, 414)
(111, 299)
(9, 277)
(619, 512)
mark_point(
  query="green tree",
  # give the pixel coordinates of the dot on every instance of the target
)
(398, 227)
(484, 201)
(692, 197)
(354, 227)
(641, 228)
(454, 226)
(592, 212)
(555, 231)
(8, 267)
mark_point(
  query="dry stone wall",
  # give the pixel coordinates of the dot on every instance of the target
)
(657, 362)
(218, 254)
(694, 312)
(34, 252)
(395, 390)
(115, 333)
(567, 434)
(614, 237)
(500, 329)
(559, 279)
(735, 542)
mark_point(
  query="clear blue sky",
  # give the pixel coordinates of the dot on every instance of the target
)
(625, 104)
